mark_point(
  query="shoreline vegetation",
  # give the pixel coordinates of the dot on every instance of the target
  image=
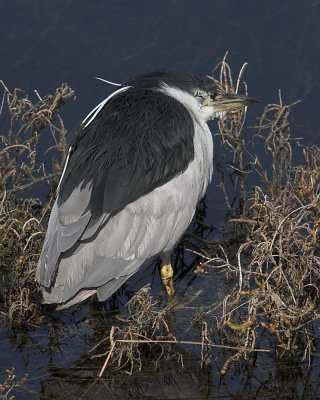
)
(268, 245)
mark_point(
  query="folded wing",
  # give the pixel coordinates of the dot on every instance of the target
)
(121, 195)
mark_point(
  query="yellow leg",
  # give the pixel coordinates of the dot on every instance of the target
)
(166, 273)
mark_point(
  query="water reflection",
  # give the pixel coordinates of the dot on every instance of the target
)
(171, 381)
(57, 357)
(178, 376)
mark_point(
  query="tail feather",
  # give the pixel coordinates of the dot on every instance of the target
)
(84, 294)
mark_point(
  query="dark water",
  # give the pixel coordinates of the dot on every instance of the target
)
(44, 43)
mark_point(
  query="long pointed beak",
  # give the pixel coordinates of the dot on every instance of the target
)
(226, 102)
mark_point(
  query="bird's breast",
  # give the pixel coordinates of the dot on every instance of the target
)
(203, 156)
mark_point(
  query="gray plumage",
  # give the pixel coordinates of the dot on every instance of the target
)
(137, 167)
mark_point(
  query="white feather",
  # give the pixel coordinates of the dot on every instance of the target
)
(97, 109)
(64, 170)
(110, 82)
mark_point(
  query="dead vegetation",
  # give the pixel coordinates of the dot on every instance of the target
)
(269, 244)
(146, 323)
(30, 126)
(11, 383)
(270, 240)
(26, 122)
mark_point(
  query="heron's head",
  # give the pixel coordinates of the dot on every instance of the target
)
(202, 96)
(214, 103)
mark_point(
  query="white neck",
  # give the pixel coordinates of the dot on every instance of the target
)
(190, 102)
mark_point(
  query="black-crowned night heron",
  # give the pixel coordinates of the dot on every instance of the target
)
(136, 169)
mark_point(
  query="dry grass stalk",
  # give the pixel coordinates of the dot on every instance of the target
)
(147, 329)
(10, 383)
(19, 165)
(30, 124)
(21, 237)
(146, 321)
(271, 237)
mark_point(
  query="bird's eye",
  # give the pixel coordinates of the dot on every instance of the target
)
(200, 94)
(216, 95)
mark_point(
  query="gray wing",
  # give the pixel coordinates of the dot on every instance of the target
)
(150, 225)
(87, 251)
(138, 141)
(126, 151)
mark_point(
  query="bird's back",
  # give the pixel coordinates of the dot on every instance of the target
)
(129, 191)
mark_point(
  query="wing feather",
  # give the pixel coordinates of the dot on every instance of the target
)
(150, 225)
(93, 243)
(122, 153)
(139, 140)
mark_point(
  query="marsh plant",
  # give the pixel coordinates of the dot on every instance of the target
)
(27, 126)
(11, 383)
(268, 246)
(270, 243)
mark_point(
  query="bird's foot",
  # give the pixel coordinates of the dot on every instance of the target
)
(166, 273)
